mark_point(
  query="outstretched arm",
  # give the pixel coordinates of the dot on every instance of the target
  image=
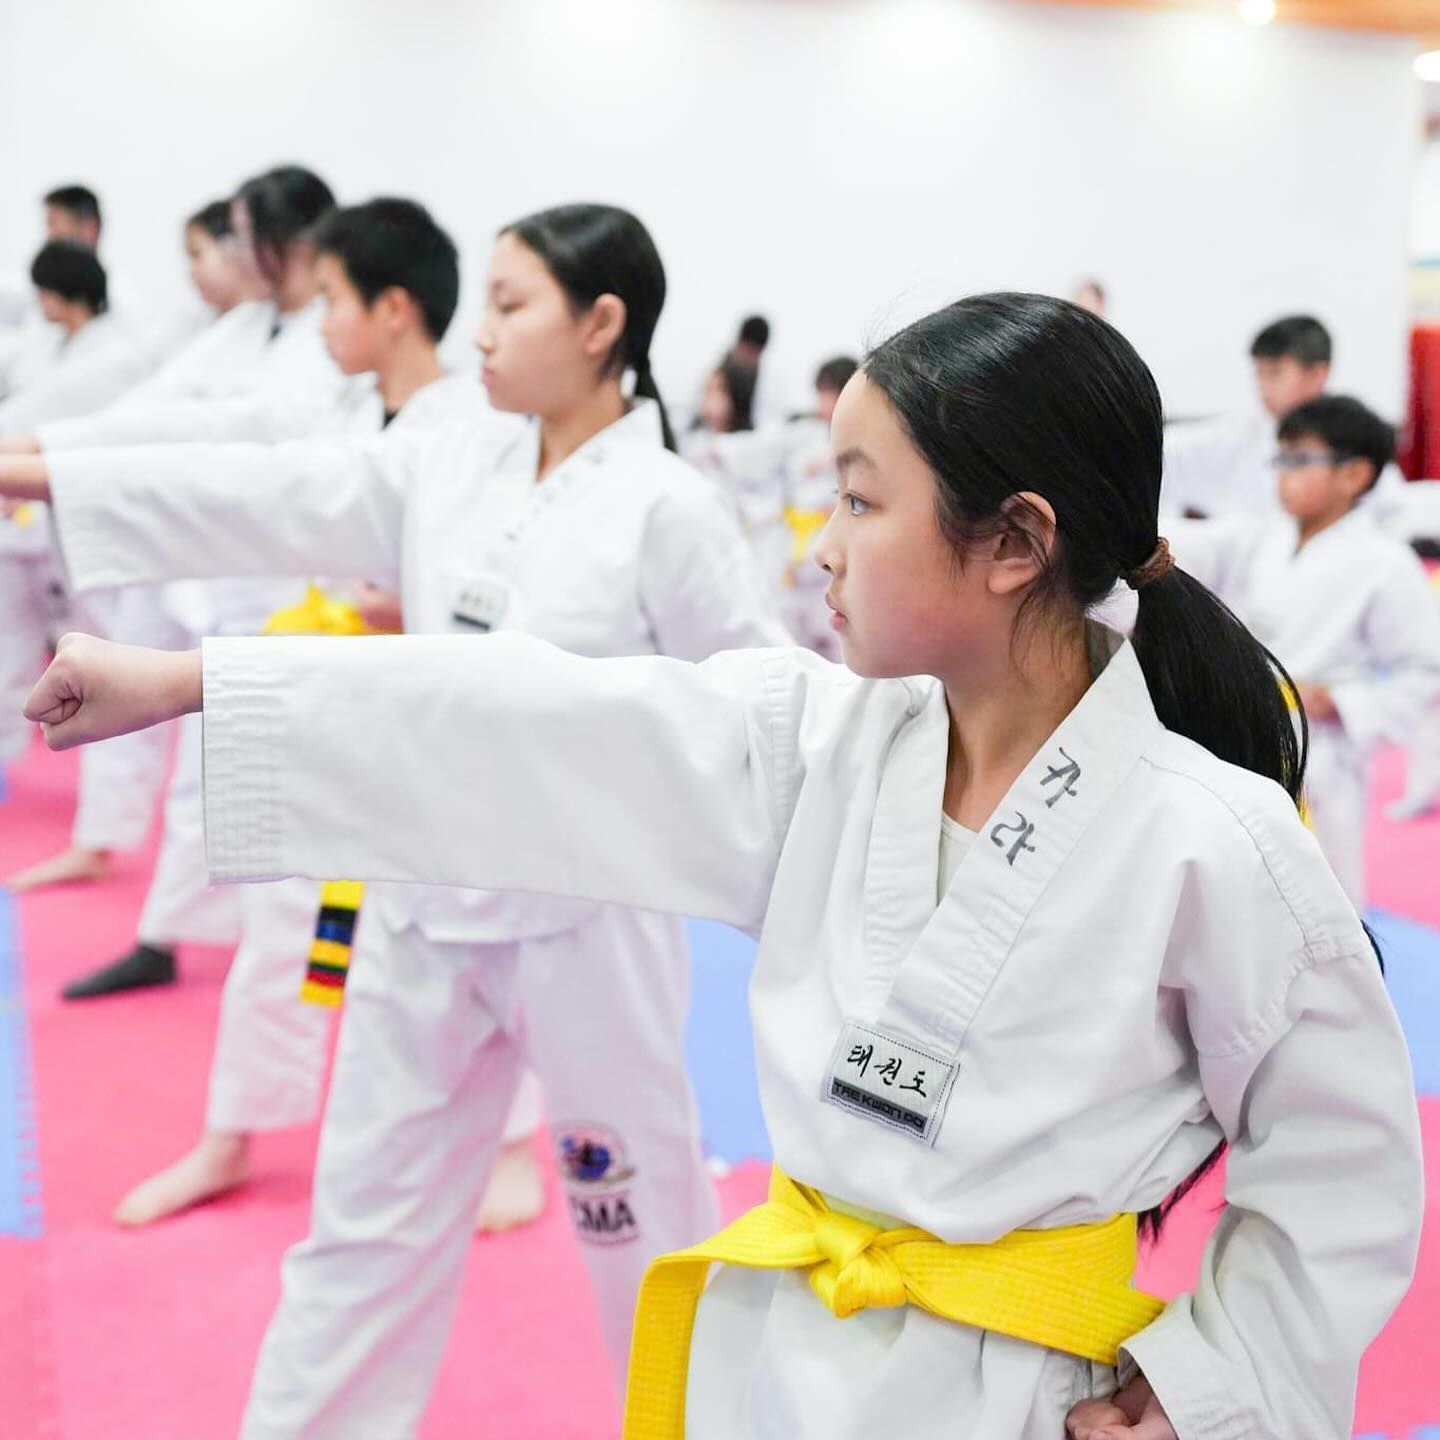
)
(497, 763)
(148, 514)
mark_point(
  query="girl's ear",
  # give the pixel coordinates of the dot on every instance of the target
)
(604, 326)
(1021, 552)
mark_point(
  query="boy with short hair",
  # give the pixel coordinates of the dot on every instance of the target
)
(72, 212)
(1344, 606)
(1222, 466)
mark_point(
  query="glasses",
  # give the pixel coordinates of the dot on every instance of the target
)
(1300, 459)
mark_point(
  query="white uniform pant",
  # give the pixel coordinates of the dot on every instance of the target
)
(268, 1070)
(24, 642)
(269, 1062)
(1422, 761)
(1337, 792)
(428, 1060)
(181, 903)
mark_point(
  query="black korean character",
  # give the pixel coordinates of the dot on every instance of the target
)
(860, 1055)
(918, 1085)
(1066, 775)
(1022, 829)
(889, 1072)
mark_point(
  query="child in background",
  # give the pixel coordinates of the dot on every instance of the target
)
(1222, 466)
(781, 481)
(259, 372)
(1343, 605)
(218, 271)
(578, 525)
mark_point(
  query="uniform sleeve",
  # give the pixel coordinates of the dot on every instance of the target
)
(1318, 1240)
(1199, 458)
(267, 419)
(72, 390)
(146, 514)
(699, 583)
(502, 763)
(1402, 637)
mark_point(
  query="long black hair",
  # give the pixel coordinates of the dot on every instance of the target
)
(739, 380)
(282, 204)
(595, 250)
(1008, 393)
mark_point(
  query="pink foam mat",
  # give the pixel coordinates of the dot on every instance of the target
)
(152, 1335)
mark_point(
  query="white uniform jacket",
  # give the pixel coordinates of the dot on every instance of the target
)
(622, 550)
(85, 372)
(253, 374)
(1221, 466)
(1143, 952)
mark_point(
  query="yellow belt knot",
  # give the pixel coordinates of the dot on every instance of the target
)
(856, 1273)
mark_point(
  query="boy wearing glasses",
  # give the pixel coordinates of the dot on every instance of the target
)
(1344, 606)
(1222, 466)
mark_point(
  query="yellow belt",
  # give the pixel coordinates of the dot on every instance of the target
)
(804, 526)
(1064, 1289)
(318, 614)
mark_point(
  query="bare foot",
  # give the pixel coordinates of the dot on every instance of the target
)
(217, 1164)
(517, 1192)
(69, 867)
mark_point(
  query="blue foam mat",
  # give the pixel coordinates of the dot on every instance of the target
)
(1412, 973)
(20, 1209)
(722, 1058)
(718, 1043)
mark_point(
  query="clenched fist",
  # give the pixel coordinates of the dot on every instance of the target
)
(1130, 1414)
(95, 689)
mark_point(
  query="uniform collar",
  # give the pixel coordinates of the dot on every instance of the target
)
(639, 426)
(1115, 714)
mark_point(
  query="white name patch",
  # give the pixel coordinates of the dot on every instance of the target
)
(482, 605)
(889, 1081)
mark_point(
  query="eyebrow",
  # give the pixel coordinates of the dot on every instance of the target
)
(851, 458)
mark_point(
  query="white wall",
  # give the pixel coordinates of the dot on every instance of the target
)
(839, 164)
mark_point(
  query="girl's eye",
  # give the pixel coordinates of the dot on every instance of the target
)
(856, 505)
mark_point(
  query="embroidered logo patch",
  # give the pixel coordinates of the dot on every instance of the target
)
(889, 1081)
(596, 1168)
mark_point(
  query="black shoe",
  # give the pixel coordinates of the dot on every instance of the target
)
(144, 966)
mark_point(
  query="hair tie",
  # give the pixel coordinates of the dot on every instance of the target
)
(1159, 565)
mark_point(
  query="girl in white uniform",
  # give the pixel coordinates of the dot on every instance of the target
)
(1014, 1044)
(119, 783)
(782, 482)
(619, 548)
(1344, 605)
(390, 279)
(262, 371)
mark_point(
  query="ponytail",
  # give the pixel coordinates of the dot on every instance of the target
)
(647, 389)
(1212, 681)
(595, 250)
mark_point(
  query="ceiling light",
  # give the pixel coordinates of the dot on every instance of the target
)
(1256, 12)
